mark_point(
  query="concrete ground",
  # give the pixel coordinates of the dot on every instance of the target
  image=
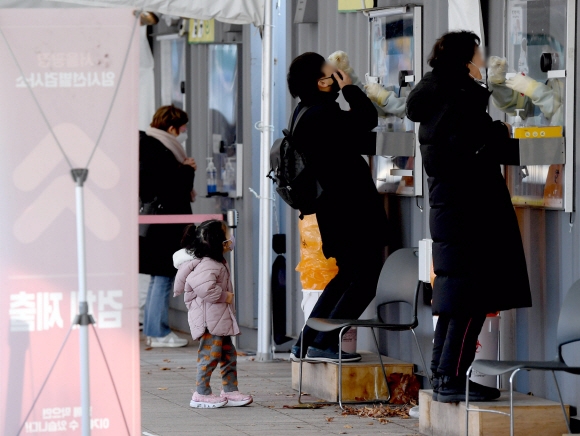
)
(168, 376)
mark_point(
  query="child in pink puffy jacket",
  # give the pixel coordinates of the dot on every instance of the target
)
(203, 277)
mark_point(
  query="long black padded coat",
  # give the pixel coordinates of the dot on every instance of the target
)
(166, 182)
(478, 255)
(350, 212)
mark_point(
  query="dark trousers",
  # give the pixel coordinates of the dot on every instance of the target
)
(455, 344)
(347, 295)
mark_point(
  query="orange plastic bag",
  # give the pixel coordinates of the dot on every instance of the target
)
(315, 269)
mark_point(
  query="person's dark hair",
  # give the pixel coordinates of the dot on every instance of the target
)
(188, 237)
(454, 50)
(206, 240)
(169, 116)
(304, 73)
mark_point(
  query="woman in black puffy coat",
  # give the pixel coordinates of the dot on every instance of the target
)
(477, 249)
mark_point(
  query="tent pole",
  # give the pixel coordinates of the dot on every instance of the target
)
(83, 319)
(264, 352)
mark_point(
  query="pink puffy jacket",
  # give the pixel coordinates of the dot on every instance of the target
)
(206, 283)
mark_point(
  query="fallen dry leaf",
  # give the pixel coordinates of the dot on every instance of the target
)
(166, 360)
(343, 432)
(305, 406)
(148, 348)
(379, 411)
(181, 367)
(348, 426)
(165, 369)
(329, 419)
(162, 389)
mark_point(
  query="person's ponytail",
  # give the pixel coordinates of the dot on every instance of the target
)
(189, 237)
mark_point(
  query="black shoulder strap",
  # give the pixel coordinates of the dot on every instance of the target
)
(293, 122)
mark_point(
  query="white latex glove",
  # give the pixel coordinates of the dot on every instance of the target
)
(497, 69)
(377, 94)
(339, 60)
(522, 84)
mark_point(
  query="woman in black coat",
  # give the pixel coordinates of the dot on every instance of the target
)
(166, 177)
(477, 249)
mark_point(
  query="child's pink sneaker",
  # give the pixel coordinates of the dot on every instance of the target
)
(207, 401)
(236, 399)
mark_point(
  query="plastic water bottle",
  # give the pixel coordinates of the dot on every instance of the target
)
(229, 176)
(211, 173)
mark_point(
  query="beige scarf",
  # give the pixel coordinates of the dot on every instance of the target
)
(169, 141)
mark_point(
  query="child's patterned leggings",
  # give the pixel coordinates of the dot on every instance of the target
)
(214, 350)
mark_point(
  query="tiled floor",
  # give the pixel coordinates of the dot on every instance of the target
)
(168, 376)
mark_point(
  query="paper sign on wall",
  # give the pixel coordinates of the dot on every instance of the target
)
(201, 31)
(72, 59)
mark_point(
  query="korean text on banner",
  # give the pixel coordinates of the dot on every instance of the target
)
(72, 59)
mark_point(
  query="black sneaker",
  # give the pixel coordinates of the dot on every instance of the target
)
(331, 356)
(452, 390)
(295, 354)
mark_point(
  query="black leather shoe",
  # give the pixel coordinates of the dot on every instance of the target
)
(452, 390)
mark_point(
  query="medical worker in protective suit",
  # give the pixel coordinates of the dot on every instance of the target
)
(523, 92)
(384, 99)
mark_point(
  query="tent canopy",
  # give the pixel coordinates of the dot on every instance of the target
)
(227, 11)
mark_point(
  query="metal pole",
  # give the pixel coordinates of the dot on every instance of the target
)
(83, 318)
(232, 221)
(264, 352)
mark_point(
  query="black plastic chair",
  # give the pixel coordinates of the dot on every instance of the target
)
(398, 283)
(568, 332)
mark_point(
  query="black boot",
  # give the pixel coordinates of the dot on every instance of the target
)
(452, 390)
(436, 385)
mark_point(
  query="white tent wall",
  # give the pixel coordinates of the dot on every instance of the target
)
(466, 15)
(227, 11)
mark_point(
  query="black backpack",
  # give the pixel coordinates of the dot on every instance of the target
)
(296, 182)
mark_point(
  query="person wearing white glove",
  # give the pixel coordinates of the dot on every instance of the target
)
(386, 100)
(339, 60)
(497, 69)
(523, 92)
(386, 104)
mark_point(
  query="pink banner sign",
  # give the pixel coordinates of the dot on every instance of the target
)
(72, 59)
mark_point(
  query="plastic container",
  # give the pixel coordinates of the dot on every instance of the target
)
(229, 176)
(211, 174)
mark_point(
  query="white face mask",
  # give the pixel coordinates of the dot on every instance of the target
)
(483, 72)
(182, 137)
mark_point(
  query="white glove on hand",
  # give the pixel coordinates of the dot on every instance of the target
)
(522, 84)
(497, 69)
(376, 93)
(339, 59)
